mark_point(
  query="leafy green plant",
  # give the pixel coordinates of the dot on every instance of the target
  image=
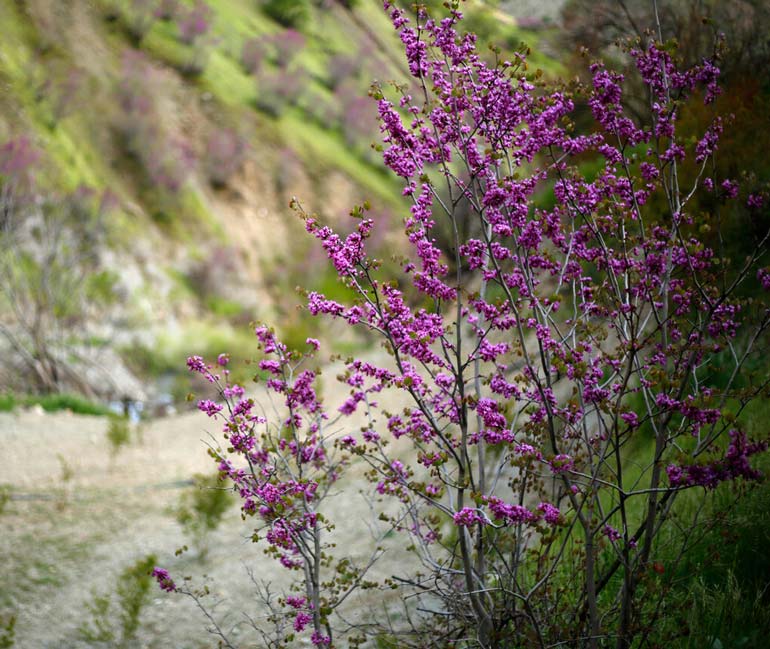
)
(202, 509)
(7, 631)
(5, 496)
(100, 629)
(118, 434)
(53, 403)
(73, 402)
(64, 492)
(133, 595)
(7, 402)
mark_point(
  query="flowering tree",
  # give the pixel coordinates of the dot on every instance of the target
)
(165, 156)
(51, 278)
(559, 385)
(195, 30)
(195, 23)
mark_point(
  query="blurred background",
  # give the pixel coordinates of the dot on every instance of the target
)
(148, 153)
(149, 150)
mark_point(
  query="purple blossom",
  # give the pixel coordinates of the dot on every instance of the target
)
(630, 418)
(611, 533)
(301, 620)
(195, 22)
(320, 640)
(468, 517)
(735, 464)
(209, 407)
(763, 275)
(730, 188)
(164, 579)
(562, 463)
(295, 601)
(551, 514)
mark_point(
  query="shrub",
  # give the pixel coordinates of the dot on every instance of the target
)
(7, 402)
(5, 496)
(48, 267)
(289, 13)
(279, 89)
(356, 117)
(202, 509)
(133, 594)
(64, 493)
(67, 94)
(133, 591)
(118, 434)
(253, 55)
(164, 156)
(77, 404)
(18, 160)
(195, 23)
(7, 631)
(556, 429)
(226, 152)
(139, 18)
(342, 68)
(286, 45)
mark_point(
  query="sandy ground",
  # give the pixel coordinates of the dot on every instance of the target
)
(78, 518)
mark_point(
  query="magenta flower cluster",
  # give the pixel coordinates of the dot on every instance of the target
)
(164, 579)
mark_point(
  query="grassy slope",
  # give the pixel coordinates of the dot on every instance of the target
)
(79, 158)
(41, 43)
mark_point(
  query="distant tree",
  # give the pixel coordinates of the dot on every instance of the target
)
(226, 152)
(195, 22)
(164, 156)
(50, 278)
(253, 55)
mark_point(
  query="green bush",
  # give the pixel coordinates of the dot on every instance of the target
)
(100, 628)
(7, 631)
(118, 434)
(719, 589)
(133, 591)
(289, 13)
(53, 403)
(77, 404)
(202, 509)
(7, 402)
(134, 586)
(5, 496)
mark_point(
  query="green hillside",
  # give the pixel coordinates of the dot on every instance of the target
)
(165, 139)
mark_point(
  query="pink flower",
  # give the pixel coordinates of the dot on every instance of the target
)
(164, 579)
